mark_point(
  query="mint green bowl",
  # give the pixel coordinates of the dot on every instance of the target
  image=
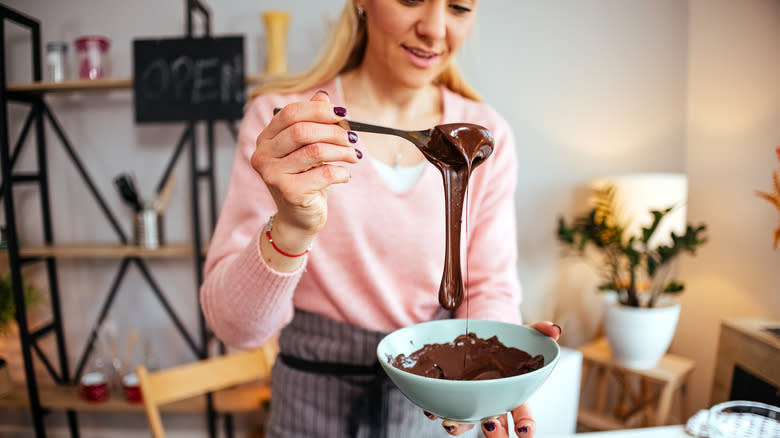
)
(467, 401)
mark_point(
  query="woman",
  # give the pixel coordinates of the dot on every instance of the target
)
(337, 239)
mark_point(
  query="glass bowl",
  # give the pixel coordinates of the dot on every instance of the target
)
(743, 419)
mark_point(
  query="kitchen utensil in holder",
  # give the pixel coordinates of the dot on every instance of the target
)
(148, 227)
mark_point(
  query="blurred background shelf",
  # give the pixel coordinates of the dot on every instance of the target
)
(245, 398)
(106, 84)
(107, 250)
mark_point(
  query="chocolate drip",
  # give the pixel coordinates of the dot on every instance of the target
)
(468, 358)
(456, 149)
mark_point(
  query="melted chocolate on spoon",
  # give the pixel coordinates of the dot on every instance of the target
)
(456, 149)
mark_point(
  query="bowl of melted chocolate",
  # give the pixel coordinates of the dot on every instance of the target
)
(467, 376)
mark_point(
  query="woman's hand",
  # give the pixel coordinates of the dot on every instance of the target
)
(294, 155)
(497, 427)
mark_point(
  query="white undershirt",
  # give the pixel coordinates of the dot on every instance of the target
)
(400, 179)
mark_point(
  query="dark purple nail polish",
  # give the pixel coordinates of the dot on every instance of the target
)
(323, 92)
(340, 111)
(523, 429)
(352, 136)
(358, 153)
(449, 429)
(427, 414)
(489, 426)
(560, 330)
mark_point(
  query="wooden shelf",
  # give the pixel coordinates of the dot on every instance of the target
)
(245, 398)
(105, 251)
(106, 84)
(669, 368)
(73, 85)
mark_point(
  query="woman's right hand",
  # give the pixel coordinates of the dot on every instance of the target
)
(294, 155)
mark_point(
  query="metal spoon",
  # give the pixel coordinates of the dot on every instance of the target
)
(418, 138)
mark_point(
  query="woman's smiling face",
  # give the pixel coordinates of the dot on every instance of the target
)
(411, 41)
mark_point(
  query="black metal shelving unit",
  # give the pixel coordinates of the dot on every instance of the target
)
(39, 114)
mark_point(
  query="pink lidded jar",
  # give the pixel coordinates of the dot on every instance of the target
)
(92, 59)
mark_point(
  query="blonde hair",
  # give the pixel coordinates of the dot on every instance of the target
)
(343, 52)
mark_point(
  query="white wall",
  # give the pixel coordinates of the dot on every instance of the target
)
(590, 88)
(733, 129)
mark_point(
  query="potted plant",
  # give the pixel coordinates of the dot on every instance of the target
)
(32, 297)
(774, 197)
(640, 313)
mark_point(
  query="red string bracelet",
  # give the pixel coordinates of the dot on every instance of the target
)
(279, 250)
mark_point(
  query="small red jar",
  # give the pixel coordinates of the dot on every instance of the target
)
(92, 57)
(94, 387)
(131, 388)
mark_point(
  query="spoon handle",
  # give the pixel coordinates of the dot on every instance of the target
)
(418, 138)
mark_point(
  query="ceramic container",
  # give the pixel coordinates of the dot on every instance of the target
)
(639, 336)
(467, 401)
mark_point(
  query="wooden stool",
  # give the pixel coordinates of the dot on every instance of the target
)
(649, 404)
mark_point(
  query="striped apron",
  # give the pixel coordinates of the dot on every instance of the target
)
(327, 383)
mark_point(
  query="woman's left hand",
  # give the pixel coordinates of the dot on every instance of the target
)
(497, 427)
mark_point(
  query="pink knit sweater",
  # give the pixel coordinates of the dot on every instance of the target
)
(378, 261)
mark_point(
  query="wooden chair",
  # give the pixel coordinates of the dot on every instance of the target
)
(207, 376)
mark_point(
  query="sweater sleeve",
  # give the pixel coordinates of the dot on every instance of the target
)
(492, 281)
(244, 301)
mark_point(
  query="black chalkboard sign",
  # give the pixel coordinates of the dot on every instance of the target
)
(188, 79)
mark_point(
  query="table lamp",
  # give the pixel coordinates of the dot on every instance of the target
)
(636, 194)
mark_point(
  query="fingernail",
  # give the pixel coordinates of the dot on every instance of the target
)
(489, 426)
(359, 154)
(523, 429)
(340, 111)
(352, 136)
(427, 414)
(560, 330)
(449, 429)
(323, 92)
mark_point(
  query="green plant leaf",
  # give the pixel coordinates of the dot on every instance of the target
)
(632, 254)
(601, 228)
(32, 297)
(652, 265)
(674, 287)
(565, 234)
(658, 216)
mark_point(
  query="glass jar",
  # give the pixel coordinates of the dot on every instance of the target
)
(92, 56)
(56, 61)
(743, 419)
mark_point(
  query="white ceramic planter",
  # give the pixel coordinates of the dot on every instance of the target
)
(639, 337)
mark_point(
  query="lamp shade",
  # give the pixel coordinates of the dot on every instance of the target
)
(637, 194)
